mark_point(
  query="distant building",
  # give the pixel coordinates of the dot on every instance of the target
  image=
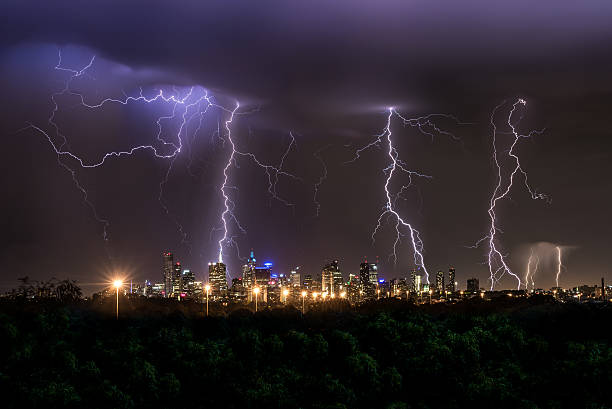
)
(368, 275)
(473, 286)
(188, 284)
(295, 279)
(217, 277)
(177, 284)
(440, 282)
(417, 281)
(248, 272)
(452, 285)
(331, 278)
(308, 282)
(167, 268)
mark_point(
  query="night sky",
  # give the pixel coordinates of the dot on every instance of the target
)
(326, 72)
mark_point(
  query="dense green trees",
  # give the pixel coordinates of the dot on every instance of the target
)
(390, 356)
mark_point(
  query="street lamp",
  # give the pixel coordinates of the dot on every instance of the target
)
(256, 291)
(343, 294)
(117, 284)
(285, 293)
(207, 288)
(303, 296)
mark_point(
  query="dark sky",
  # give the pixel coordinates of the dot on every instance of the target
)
(325, 71)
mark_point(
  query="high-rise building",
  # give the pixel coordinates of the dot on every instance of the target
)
(331, 278)
(373, 273)
(308, 282)
(248, 272)
(177, 283)
(364, 274)
(440, 282)
(417, 281)
(295, 278)
(167, 269)
(473, 286)
(217, 277)
(452, 285)
(188, 283)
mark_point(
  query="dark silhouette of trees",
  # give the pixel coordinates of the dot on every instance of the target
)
(392, 356)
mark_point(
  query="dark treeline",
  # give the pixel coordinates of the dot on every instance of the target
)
(531, 353)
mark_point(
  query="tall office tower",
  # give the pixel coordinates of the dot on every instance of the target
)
(373, 273)
(308, 282)
(188, 283)
(473, 286)
(331, 278)
(177, 284)
(167, 268)
(452, 285)
(364, 274)
(417, 281)
(440, 282)
(248, 272)
(295, 279)
(217, 278)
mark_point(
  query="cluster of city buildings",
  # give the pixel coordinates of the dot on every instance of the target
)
(259, 282)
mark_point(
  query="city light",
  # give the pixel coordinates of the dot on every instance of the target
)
(117, 284)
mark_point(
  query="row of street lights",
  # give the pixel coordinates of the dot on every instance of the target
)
(119, 283)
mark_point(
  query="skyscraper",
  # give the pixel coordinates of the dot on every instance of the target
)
(417, 281)
(167, 268)
(451, 286)
(177, 282)
(473, 286)
(217, 277)
(440, 281)
(329, 275)
(248, 272)
(188, 283)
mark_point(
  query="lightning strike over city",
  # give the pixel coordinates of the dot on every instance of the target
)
(505, 175)
(267, 204)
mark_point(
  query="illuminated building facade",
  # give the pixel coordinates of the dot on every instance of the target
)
(452, 285)
(167, 269)
(440, 282)
(217, 277)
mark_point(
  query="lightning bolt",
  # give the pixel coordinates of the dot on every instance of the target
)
(496, 260)
(192, 106)
(559, 264)
(322, 178)
(529, 275)
(403, 228)
(273, 173)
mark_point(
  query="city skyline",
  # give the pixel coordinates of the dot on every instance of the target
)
(305, 144)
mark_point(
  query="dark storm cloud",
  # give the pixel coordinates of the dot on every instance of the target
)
(315, 56)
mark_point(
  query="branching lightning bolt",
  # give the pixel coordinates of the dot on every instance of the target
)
(496, 261)
(192, 106)
(402, 227)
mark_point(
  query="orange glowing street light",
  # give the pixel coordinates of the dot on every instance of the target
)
(207, 288)
(303, 296)
(256, 291)
(117, 284)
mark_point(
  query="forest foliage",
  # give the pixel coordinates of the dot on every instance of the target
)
(385, 355)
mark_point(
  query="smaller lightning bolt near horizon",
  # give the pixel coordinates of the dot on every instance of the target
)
(530, 274)
(496, 259)
(395, 166)
(559, 264)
